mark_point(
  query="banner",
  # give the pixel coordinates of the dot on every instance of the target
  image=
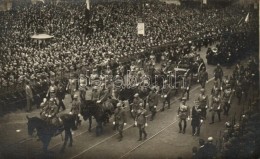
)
(204, 1)
(88, 4)
(140, 28)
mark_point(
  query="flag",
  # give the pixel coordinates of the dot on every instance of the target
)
(88, 4)
(204, 1)
(140, 28)
(247, 18)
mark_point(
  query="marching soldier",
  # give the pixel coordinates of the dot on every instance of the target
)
(227, 96)
(60, 96)
(141, 122)
(203, 103)
(136, 105)
(95, 94)
(75, 109)
(186, 85)
(72, 86)
(119, 120)
(44, 108)
(216, 89)
(225, 82)
(203, 77)
(153, 100)
(196, 119)
(183, 114)
(166, 95)
(82, 87)
(215, 107)
(218, 73)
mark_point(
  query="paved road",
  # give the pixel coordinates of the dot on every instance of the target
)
(163, 141)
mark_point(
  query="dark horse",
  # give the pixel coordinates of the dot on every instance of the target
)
(45, 131)
(91, 109)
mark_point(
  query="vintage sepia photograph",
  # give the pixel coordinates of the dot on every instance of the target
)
(129, 79)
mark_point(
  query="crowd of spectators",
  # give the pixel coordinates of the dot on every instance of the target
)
(105, 34)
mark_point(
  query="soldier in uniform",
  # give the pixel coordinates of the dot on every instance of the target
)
(95, 94)
(196, 119)
(75, 109)
(60, 96)
(141, 121)
(119, 120)
(72, 86)
(136, 104)
(215, 107)
(203, 102)
(227, 96)
(52, 91)
(166, 95)
(82, 87)
(153, 100)
(103, 96)
(216, 89)
(218, 73)
(183, 114)
(186, 85)
(203, 77)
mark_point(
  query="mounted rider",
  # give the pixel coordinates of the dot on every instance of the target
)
(82, 86)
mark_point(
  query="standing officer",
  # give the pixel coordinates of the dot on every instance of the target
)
(186, 85)
(218, 73)
(29, 96)
(119, 120)
(141, 121)
(95, 94)
(153, 100)
(227, 96)
(183, 114)
(215, 107)
(196, 119)
(203, 103)
(75, 109)
(166, 95)
(203, 77)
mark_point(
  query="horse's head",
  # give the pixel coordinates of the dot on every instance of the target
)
(31, 125)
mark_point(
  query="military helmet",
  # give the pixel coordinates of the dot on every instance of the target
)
(136, 95)
(210, 139)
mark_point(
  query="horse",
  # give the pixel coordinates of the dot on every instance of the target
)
(45, 131)
(91, 109)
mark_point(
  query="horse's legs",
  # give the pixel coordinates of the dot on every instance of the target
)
(46, 142)
(70, 136)
(65, 141)
(90, 123)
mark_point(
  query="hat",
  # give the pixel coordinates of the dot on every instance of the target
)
(183, 98)
(75, 96)
(210, 139)
(95, 87)
(202, 90)
(136, 95)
